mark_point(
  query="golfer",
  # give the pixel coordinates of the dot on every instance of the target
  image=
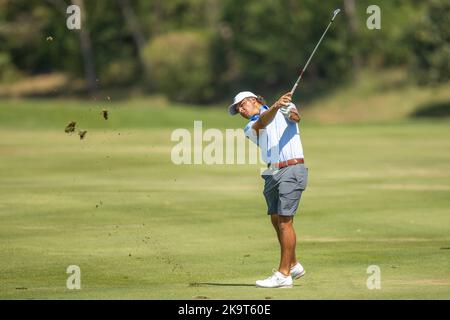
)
(275, 131)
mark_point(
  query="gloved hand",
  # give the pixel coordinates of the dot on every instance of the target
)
(286, 109)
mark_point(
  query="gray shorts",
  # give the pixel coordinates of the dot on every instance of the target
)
(283, 188)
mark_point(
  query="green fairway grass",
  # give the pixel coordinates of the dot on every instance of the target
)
(140, 227)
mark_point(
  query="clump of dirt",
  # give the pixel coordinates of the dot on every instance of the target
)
(82, 134)
(70, 127)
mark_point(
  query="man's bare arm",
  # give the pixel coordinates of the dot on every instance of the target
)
(269, 115)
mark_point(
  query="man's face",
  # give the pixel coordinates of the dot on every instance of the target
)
(247, 107)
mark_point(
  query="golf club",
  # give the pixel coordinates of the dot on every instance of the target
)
(335, 13)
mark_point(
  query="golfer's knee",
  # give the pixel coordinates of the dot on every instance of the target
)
(285, 223)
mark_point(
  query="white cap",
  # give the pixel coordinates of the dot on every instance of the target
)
(238, 98)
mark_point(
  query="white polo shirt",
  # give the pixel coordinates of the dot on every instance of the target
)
(279, 141)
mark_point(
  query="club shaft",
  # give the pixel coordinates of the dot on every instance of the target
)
(310, 57)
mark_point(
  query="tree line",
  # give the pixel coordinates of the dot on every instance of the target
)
(201, 50)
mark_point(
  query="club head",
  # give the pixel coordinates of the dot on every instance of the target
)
(335, 13)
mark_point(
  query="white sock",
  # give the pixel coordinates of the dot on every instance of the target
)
(282, 275)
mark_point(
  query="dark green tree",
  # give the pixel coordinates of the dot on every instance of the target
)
(429, 40)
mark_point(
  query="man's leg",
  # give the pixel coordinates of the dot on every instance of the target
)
(274, 219)
(287, 238)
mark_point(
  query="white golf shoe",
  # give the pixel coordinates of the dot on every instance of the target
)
(297, 271)
(277, 280)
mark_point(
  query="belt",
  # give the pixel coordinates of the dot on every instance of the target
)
(287, 163)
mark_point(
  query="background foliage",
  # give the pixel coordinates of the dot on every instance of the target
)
(200, 51)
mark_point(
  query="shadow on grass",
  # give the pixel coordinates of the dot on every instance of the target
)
(433, 110)
(200, 284)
